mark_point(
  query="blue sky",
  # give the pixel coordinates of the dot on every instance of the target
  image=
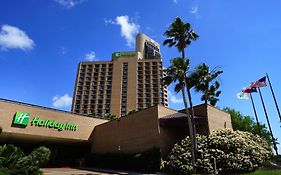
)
(42, 42)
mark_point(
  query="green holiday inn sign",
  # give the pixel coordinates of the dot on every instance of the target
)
(23, 118)
(124, 54)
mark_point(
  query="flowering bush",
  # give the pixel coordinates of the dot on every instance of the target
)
(234, 151)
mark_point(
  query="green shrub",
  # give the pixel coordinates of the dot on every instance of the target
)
(31, 164)
(276, 159)
(13, 159)
(9, 154)
(5, 171)
(40, 155)
(234, 151)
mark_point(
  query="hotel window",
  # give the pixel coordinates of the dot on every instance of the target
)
(124, 89)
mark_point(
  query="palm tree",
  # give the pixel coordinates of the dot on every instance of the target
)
(213, 94)
(205, 84)
(177, 73)
(181, 35)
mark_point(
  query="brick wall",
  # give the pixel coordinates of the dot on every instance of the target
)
(137, 132)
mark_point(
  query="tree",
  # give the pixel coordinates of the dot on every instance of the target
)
(176, 73)
(181, 35)
(234, 152)
(93, 114)
(109, 116)
(132, 111)
(205, 78)
(246, 123)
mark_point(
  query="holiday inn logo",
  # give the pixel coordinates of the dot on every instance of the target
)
(124, 54)
(21, 118)
(117, 54)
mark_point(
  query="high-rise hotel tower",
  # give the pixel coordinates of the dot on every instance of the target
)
(132, 80)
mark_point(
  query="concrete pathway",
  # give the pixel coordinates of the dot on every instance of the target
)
(69, 171)
(89, 171)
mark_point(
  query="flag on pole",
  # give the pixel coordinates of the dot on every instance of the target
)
(249, 89)
(260, 83)
(243, 96)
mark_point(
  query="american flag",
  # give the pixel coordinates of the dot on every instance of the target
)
(260, 83)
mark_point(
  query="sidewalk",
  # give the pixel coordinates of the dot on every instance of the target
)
(85, 171)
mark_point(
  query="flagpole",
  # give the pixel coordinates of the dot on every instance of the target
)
(274, 97)
(255, 114)
(273, 139)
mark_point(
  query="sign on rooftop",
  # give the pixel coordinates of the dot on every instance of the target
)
(123, 54)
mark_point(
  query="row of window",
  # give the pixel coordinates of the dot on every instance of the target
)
(124, 89)
(95, 66)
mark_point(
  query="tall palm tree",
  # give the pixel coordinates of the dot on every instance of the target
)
(180, 35)
(177, 73)
(207, 83)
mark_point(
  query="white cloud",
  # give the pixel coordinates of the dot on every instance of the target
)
(173, 98)
(69, 3)
(109, 21)
(90, 56)
(175, 1)
(62, 101)
(128, 28)
(13, 38)
(194, 10)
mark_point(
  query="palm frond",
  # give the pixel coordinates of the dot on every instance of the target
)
(178, 87)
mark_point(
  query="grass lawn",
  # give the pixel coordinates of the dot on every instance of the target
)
(265, 172)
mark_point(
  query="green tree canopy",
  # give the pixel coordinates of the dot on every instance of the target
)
(246, 123)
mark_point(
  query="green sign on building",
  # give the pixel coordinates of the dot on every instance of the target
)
(21, 118)
(126, 54)
(36, 121)
(117, 54)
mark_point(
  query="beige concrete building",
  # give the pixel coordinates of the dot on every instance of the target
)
(73, 136)
(20, 128)
(131, 80)
(154, 127)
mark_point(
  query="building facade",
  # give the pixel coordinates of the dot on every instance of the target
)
(130, 81)
(72, 136)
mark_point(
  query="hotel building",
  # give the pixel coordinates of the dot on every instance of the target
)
(130, 81)
(72, 136)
